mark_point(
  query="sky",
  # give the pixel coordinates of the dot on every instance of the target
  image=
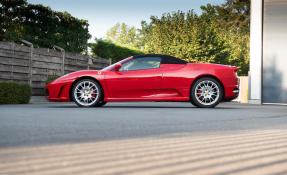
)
(104, 14)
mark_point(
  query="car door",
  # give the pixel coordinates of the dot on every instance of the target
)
(138, 78)
(174, 80)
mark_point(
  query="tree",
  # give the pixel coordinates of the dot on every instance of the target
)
(122, 34)
(219, 35)
(235, 14)
(209, 37)
(185, 35)
(233, 18)
(42, 26)
(10, 18)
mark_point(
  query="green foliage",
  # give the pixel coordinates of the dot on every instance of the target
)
(122, 34)
(42, 26)
(219, 35)
(107, 49)
(235, 14)
(187, 36)
(14, 93)
(51, 78)
(238, 50)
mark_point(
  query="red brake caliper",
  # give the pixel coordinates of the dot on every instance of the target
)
(199, 92)
(93, 94)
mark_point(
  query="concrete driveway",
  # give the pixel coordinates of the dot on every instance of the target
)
(143, 138)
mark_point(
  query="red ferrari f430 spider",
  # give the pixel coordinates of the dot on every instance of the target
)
(149, 77)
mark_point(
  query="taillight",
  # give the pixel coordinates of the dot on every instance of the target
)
(235, 70)
(236, 75)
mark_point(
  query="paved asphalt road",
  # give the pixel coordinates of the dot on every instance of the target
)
(143, 138)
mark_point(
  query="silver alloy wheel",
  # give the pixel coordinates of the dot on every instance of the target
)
(207, 92)
(86, 93)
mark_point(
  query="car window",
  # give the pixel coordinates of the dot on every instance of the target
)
(112, 65)
(141, 64)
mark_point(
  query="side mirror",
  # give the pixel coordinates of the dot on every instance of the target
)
(118, 66)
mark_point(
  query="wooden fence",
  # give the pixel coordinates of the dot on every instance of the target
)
(34, 65)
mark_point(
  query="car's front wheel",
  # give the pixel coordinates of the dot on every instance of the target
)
(101, 103)
(87, 93)
(206, 92)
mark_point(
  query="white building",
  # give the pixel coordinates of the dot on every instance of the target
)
(268, 52)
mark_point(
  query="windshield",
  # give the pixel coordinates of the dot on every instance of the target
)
(112, 65)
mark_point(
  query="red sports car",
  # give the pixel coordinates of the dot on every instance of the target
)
(149, 77)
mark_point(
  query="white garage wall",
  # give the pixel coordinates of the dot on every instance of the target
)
(274, 51)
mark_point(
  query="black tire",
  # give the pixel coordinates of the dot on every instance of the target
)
(192, 102)
(101, 103)
(92, 103)
(215, 94)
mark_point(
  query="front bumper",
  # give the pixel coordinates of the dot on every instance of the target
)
(58, 91)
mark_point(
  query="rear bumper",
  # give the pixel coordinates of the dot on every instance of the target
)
(58, 91)
(232, 89)
(232, 97)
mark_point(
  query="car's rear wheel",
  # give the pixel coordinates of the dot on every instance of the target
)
(87, 93)
(206, 92)
(192, 102)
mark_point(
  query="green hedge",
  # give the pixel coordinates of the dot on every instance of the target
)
(106, 49)
(14, 93)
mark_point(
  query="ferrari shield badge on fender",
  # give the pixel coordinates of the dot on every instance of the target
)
(99, 72)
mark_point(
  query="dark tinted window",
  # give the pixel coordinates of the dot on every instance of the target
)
(141, 63)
